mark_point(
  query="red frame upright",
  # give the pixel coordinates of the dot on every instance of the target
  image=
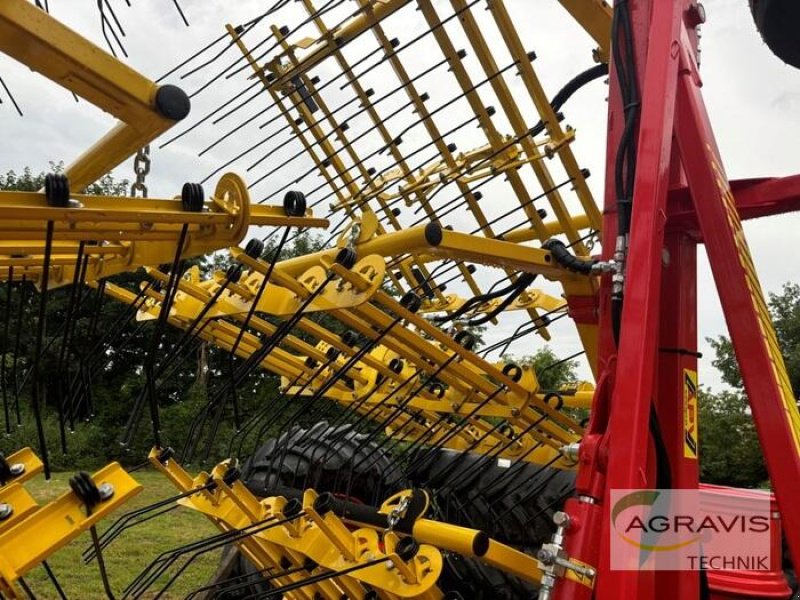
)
(681, 197)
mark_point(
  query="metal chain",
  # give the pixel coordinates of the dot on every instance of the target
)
(141, 167)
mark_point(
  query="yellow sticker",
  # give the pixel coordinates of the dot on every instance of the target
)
(584, 578)
(690, 432)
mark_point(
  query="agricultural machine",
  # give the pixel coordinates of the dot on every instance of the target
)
(401, 459)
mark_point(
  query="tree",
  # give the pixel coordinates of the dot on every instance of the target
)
(785, 311)
(730, 453)
(107, 185)
(552, 372)
(729, 449)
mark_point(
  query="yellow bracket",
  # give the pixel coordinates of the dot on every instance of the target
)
(24, 464)
(531, 298)
(355, 287)
(15, 505)
(33, 539)
(322, 538)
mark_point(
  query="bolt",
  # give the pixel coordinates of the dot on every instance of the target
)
(106, 491)
(571, 451)
(6, 510)
(561, 519)
(17, 469)
(546, 557)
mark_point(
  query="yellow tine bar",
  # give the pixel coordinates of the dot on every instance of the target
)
(31, 541)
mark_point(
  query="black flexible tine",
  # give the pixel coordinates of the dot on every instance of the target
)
(413, 41)
(123, 522)
(15, 361)
(318, 13)
(337, 376)
(234, 584)
(54, 580)
(399, 409)
(4, 351)
(277, 414)
(11, 97)
(175, 274)
(407, 129)
(41, 329)
(139, 585)
(282, 331)
(77, 280)
(454, 430)
(278, 592)
(243, 327)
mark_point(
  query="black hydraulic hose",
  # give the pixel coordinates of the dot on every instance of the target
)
(473, 302)
(524, 281)
(572, 86)
(566, 259)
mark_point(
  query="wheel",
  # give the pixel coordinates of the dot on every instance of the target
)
(777, 21)
(514, 506)
(328, 459)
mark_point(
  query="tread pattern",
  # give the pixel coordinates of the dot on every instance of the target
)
(513, 505)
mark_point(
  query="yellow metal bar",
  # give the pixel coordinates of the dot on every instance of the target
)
(45, 531)
(24, 465)
(16, 504)
(36, 39)
(147, 229)
(327, 46)
(595, 17)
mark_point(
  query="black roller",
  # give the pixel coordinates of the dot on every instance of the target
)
(294, 203)
(466, 339)
(346, 257)
(407, 548)
(192, 197)
(233, 273)
(349, 338)
(254, 248)
(512, 371)
(56, 190)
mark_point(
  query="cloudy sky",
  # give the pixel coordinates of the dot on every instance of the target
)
(753, 100)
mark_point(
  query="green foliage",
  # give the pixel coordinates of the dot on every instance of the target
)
(729, 450)
(27, 181)
(785, 311)
(552, 372)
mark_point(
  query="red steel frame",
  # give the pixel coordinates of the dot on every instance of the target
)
(681, 197)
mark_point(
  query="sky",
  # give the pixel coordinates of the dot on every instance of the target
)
(752, 97)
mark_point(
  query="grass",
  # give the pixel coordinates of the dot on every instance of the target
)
(131, 552)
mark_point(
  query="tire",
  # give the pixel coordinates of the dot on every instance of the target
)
(321, 457)
(514, 506)
(778, 21)
(325, 458)
(328, 459)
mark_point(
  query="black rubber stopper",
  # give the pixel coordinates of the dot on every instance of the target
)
(172, 102)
